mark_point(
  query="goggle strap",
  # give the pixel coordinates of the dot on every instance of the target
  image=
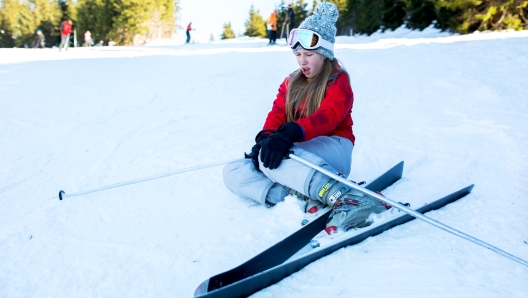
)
(326, 44)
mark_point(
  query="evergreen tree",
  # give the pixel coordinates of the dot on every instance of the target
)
(9, 11)
(465, 16)
(131, 20)
(127, 21)
(343, 22)
(161, 22)
(365, 15)
(97, 17)
(255, 25)
(47, 16)
(228, 32)
(421, 14)
(393, 14)
(68, 10)
(300, 11)
(25, 26)
(19, 21)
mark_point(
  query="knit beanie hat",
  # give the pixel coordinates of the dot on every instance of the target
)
(322, 21)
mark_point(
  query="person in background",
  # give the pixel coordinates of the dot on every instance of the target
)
(189, 28)
(38, 41)
(88, 42)
(272, 21)
(290, 15)
(66, 30)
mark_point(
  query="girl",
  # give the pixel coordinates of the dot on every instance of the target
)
(311, 116)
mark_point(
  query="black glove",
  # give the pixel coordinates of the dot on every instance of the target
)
(276, 146)
(261, 136)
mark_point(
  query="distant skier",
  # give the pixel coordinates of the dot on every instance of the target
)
(290, 20)
(88, 42)
(66, 30)
(272, 21)
(291, 16)
(189, 28)
(311, 116)
(38, 40)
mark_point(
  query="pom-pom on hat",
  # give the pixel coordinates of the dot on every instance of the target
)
(322, 21)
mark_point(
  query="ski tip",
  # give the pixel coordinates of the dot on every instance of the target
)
(400, 166)
(202, 288)
(61, 193)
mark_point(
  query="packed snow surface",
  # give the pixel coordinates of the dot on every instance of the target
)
(454, 108)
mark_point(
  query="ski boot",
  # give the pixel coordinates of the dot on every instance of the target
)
(350, 207)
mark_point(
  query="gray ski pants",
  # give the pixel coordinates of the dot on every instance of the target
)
(332, 153)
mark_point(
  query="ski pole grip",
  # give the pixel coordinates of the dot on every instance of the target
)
(61, 193)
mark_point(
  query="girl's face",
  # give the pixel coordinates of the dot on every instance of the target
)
(310, 62)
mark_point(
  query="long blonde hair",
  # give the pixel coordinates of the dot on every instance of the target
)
(304, 97)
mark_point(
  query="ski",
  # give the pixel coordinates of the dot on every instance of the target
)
(254, 275)
(263, 270)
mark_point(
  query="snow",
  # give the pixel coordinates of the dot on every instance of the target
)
(452, 107)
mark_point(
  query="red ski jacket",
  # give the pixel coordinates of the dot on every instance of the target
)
(334, 116)
(66, 28)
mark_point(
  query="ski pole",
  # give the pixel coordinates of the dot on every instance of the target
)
(410, 211)
(63, 194)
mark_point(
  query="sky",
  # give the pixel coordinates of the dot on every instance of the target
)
(209, 16)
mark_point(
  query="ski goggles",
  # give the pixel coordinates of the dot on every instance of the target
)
(308, 39)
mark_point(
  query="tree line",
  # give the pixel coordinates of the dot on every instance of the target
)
(125, 22)
(369, 16)
(129, 22)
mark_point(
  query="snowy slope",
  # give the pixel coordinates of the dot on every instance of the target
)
(453, 107)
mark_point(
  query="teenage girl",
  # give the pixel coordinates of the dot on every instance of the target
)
(311, 116)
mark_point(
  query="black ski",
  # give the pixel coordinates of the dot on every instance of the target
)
(290, 255)
(265, 269)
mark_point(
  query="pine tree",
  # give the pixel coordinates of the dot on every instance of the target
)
(9, 10)
(365, 15)
(131, 20)
(342, 23)
(420, 13)
(466, 16)
(97, 17)
(393, 14)
(161, 23)
(255, 25)
(127, 21)
(19, 21)
(68, 9)
(47, 16)
(228, 32)
(301, 13)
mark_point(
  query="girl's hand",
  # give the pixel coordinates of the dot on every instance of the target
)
(276, 146)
